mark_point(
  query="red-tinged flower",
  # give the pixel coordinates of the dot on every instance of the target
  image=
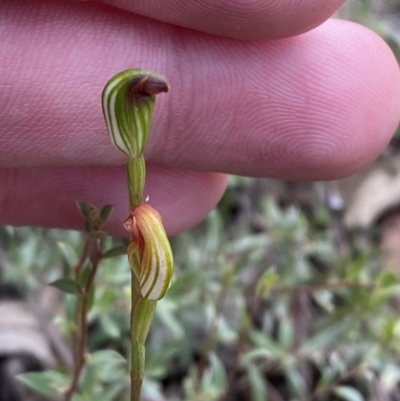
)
(149, 251)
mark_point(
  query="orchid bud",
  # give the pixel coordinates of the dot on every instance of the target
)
(149, 252)
(128, 103)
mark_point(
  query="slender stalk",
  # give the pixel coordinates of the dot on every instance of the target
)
(77, 336)
(82, 325)
(136, 376)
(142, 310)
(142, 314)
(136, 174)
(84, 255)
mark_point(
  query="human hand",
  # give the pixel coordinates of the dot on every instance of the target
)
(311, 107)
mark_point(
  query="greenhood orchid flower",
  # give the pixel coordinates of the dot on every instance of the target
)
(128, 103)
(149, 252)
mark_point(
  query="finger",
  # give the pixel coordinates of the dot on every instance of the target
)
(318, 106)
(47, 197)
(241, 19)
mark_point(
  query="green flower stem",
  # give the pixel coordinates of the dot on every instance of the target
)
(142, 310)
(142, 314)
(136, 173)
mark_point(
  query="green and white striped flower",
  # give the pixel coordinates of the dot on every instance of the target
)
(128, 103)
(149, 252)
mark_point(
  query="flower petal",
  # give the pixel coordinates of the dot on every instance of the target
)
(149, 252)
(128, 103)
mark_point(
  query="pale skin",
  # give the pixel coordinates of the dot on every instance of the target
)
(317, 106)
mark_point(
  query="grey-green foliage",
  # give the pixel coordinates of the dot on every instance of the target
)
(255, 310)
(242, 295)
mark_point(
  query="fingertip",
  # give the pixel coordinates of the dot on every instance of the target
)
(239, 19)
(47, 196)
(184, 202)
(324, 117)
(372, 89)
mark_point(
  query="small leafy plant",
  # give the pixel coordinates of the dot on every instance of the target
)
(128, 103)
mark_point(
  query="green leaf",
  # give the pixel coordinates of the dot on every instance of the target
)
(386, 279)
(213, 382)
(357, 268)
(257, 384)
(68, 253)
(329, 336)
(225, 333)
(67, 285)
(260, 340)
(110, 327)
(266, 282)
(105, 213)
(83, 208)
(256, 354)
(296, 383)
(89, 381)
(109, 394)
(113, 252)
(166, 313)
(49, 383)
(383, 294)
(218, 378)
(107, 366)
(91, 297)
(84, 276)
(348, 393)
(286, 333)
(325, 300)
